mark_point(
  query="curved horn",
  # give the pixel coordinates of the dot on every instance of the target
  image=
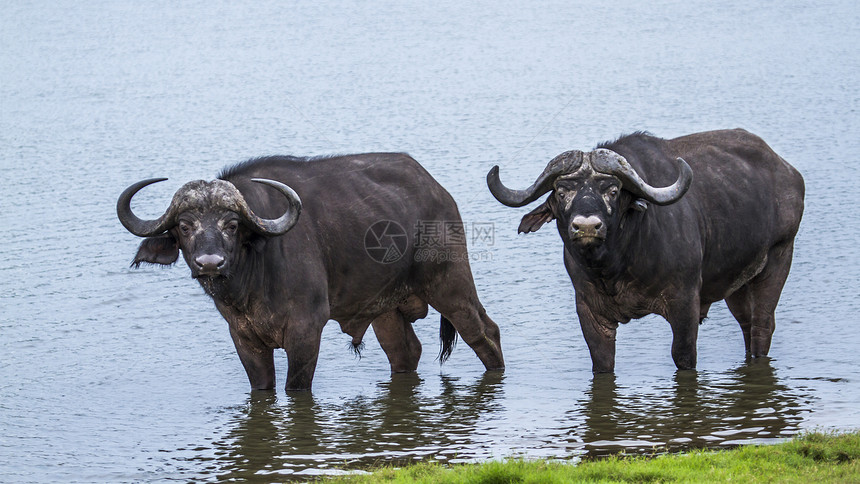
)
(567, 162)
(281, 224)
(610, 162)
(138, 226)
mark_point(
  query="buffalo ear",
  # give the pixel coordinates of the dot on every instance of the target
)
(640, 205)
(258, 242)
(535, 219)
(162, 249)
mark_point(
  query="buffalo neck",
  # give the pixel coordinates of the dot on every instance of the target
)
(245, 282)
(608, 264)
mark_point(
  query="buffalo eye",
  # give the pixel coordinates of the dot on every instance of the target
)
(561, 193)
(612, 192)
(185, 228)
(231, 227)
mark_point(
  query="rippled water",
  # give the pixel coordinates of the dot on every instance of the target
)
(113, 374)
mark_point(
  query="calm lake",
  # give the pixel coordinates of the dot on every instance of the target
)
(114, 374)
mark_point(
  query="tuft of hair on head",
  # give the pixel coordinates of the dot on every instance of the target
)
(448, 338)
(356, 347)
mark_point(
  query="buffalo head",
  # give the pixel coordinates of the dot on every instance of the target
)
(590, 193)
(209, 221)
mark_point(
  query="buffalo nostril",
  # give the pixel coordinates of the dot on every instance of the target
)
(586, 225)
(209, 262)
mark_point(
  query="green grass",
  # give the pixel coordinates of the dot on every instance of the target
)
(812, 457)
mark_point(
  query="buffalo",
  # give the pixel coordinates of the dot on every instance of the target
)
(721, 226)
(284, 244)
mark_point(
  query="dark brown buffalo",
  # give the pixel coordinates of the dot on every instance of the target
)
(722, 227)
(280, 263)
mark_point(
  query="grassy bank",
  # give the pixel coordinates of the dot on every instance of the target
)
(813, 457)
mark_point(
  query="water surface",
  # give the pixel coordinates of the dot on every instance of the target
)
(114, 374)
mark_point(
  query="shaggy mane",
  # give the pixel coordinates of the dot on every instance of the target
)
(626, 137)
(237, 169)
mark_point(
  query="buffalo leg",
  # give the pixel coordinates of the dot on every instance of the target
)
(457, 300)
(479, 332)
(684, 318)
(740, 304)
(302, 343)
(754, 304)
(258, 360)
(398, 340)
(703, 312)
(599, 334)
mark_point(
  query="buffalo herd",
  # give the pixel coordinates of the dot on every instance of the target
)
(659, 226)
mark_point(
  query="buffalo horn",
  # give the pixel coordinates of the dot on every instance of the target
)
(149, 228)
(281, 224)
(610, 162)
(138, 226)
(566, 162)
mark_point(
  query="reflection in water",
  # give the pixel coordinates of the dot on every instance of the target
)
(405, 418)
(253, 445)
(748, 404)
(291, 434)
